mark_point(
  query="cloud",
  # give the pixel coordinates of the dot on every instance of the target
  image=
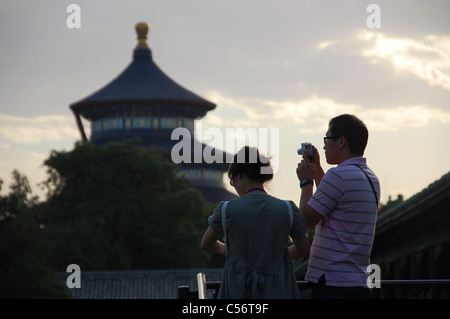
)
(317, 111)
(39, 156)
(404, 116)
(244, 111)
(312, 114)
(21, 130)
(427, 58)
(302, 111)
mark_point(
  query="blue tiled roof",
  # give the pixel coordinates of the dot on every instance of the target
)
(142, 83)
(136, 284)
(435, 191)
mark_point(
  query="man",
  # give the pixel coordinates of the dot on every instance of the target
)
(343, 210)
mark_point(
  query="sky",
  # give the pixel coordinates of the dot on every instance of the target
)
(285, 66)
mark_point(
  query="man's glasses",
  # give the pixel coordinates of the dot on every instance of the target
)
(326, 138)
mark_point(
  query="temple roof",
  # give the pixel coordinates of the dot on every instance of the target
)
(136, 284)
(142, 88)
(409, 227)
(401, 210)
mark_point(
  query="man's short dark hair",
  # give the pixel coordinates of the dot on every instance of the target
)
(353, 129)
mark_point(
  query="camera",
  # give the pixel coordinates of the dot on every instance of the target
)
(308, 148)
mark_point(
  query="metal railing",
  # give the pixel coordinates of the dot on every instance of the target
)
(203, 286)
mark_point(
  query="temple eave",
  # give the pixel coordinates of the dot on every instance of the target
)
(127, 107)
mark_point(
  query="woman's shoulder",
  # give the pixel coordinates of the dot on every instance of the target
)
(284, 201)
(258, 200)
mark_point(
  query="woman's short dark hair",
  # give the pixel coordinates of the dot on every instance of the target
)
(248, 161)
(353, 129)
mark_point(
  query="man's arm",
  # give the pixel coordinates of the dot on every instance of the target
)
(306, 169)
(319, 175)
(309, 214)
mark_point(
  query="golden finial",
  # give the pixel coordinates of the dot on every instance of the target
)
(142, 30)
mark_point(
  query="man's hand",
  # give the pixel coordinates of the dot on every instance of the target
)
(316, 159)
(307, 169)
(319, 172)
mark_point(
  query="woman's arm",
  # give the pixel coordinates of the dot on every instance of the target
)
(210, 242)
(301, 247)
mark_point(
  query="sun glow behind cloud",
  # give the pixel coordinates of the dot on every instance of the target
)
(312, 114)
(427, 58)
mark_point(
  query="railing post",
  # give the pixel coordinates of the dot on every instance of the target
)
(201, 286)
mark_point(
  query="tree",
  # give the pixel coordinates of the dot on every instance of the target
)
(24, 272)
(122, 206)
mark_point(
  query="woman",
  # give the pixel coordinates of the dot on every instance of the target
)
(257, 227)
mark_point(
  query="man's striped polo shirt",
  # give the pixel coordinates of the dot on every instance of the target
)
(343, 239)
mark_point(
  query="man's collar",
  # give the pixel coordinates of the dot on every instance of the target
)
(354, 160)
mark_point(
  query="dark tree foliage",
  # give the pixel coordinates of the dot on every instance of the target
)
(122, 206)
(24, 270)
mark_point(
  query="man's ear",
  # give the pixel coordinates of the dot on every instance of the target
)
(342, 142)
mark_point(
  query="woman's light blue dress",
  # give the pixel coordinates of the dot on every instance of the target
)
(258, 264)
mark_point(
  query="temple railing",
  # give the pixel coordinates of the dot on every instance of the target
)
(205, 287)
